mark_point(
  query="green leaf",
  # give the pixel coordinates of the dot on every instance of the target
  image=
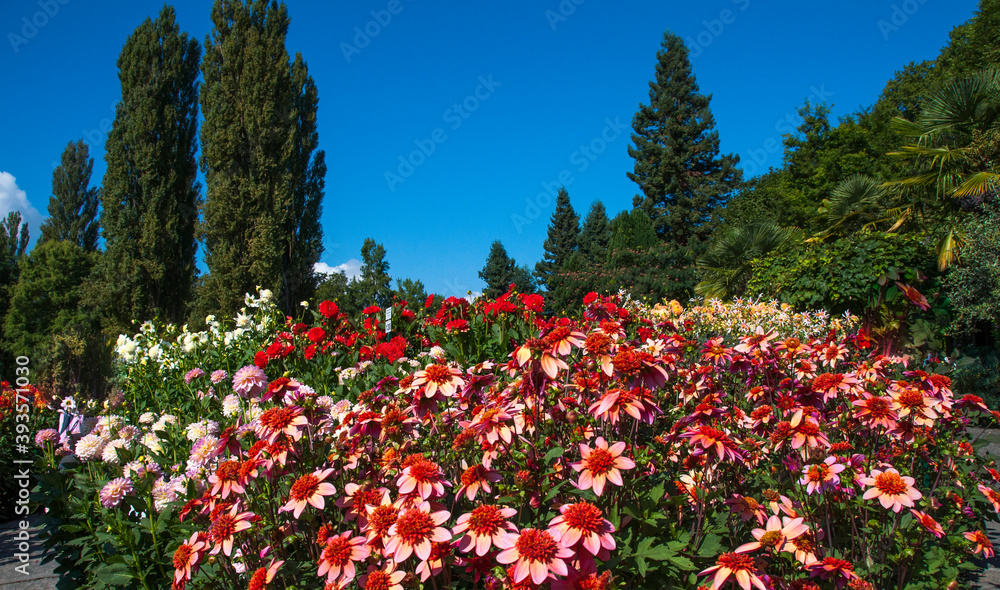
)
(659, 553)
(710, 546)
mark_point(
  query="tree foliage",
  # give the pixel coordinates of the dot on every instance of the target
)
(73, 204)
(264, 175)
(501, 271)
(151, 196)
(678, 164)
(561, 242)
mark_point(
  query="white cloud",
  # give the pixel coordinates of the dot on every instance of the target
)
(351, 268)
(471, 297)
(15, 199)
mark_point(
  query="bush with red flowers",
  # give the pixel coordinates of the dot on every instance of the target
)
(719, 446)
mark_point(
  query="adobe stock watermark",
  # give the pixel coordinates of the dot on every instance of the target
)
(30, 25)
(581, 159)
(364, 34)
(713, 29)
(753, 162)
(94, 138)
(22, 465)
(899, 16)
(454, 117)
(563, 11)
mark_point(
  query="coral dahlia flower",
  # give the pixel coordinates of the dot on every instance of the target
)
(382, 579)
(734, 565)
(601, 464)
(534, 553)
(776, 535)
(476, 477)
(982, 542)
(339, 554)
(286, 420)
(821, 476)
(585, 524)
(892, 490)
(423, 477)
(225, 480)
(224, 529)
(713, 441)
(831, 567)
(932, 526)
(414, 531)
(263, 576)
(309, 489)
(438, 377)
(484, 528)
(187, 556)
(875, 410)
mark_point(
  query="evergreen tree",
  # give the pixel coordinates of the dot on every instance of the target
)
(501, 270)
(561, 241)
(151, 198)
(374, 285)
(73, 204)
(265, 184)
(595, 235)
(412, 292)
(683, 177)
(48, 322)
(13, 244)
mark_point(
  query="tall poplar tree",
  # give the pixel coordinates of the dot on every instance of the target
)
(73, 204)
(683, 177)
(150, 194)
(561, 241)
(265, 184)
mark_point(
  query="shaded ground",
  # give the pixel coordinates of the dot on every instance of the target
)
(989, 578)
(39, 576)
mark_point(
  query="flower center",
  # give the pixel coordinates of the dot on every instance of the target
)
(414, 526)
(485, 520)
(911, 398)
(259, 580)
(600, 461)
(535, 545)
(223, 527)
(736, 562)
(304, 488)
(337, 551)
(878, 407)
(182, 557)
(228, 471)
(827, 381)
(382, 518)
(584, 516)
(471, 475)
(556, 335)
(424, 471)
(438, 374)
(598, 343)
(890, 483)
(627, 362)
(771, 539)
(819, 472)
(378, 580)
(278, 418)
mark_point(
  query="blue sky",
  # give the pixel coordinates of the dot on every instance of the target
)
(448, 125)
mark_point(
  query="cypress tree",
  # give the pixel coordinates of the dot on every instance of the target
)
(501, 270)
(151, 198)
(265, 185)
(677, 162)
(13, 244)
(595, 235)
(374, 286)
(73, 204)
(561, 241)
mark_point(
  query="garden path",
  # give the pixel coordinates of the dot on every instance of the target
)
(39, 577)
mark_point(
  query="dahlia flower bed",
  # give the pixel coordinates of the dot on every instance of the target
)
(490, 446)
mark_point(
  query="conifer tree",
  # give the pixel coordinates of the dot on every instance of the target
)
(501, 270)
(677, 162)
(595, 235)
(150, 195)
(73, 204)
(374, 285)
(13, 244)
(264, 182)
(561, 241)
